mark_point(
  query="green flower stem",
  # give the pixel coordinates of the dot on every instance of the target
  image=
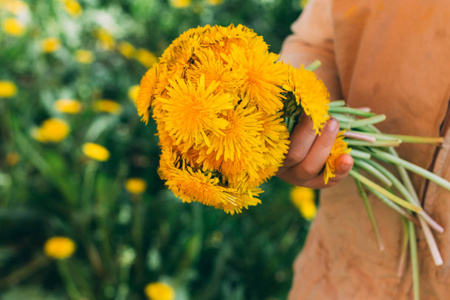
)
(337, 103)
(378, 136)
(404, 251)
(364, 122)
(359, 154)
(406, 194)
(372, 219)
(393, 143)
(418, 139)
(88, 184)
(137, 236)
(69, 283)
(343, 119)
(359, 136)
(407, 165)
(23, 272)
(314, 65)
(384, 192)
(373, 171)
(426, 231)
(392, 205)
(406, 138)
(351, 111)
(437, 258)
(414, 260)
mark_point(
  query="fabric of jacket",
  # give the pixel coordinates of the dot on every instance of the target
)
(394, 57)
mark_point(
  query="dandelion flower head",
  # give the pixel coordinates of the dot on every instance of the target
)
(95, 151)
(217, 96)
(7, 89)
(159, 291)
(339, 147)
(59, 247)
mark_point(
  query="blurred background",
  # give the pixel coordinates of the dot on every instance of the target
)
(76, 162)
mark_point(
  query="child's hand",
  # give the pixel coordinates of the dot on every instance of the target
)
(308, 153)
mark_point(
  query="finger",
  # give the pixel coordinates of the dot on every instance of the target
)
(302, 139)
(344, 164)
(318, 154)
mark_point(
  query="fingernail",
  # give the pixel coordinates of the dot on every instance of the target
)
(333, 124)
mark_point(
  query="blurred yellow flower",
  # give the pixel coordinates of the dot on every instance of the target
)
(159, 291)
(84, 56)
(105, 38)
(72, 7)
(133, 92)
(107, 106)
(50, 44)
(51, 131)
(13, 27)
(180, 3)
(126, 49)
(59, 247)
(67, 106)
(146, 57)
(7, 89)
(135, 185)
(214, 2)
(12, 158)
(95, 151)
(303, 199)
(15, 6)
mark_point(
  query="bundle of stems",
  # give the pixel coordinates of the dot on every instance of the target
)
(367, 143)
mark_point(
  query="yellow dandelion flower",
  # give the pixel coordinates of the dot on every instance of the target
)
(193, 112)
(339, 147)
(72, 7)
(146, 92)
(107, 106)
(179, 56)
(59, 247)
(311, 93)
(190, 185)
(52, 130)
(84, 56)
(15, 7)
(7, 89)
(95, 151)
(68, 106)
(12, 158)
(133, 93)
(241, 136)
(303, 199)
(180, 3)
(106, 40)
(13, 27)
(211, 65)
(159, 291)
(135, 185)
(214, 2)
(146, 57)
(262, 78)
(126, 49)
(50, 44)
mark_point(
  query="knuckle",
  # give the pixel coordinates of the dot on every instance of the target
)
(292, 158)
(307, 171)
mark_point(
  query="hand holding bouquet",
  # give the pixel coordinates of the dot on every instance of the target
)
(224, 107)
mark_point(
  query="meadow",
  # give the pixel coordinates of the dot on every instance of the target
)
(77, 162)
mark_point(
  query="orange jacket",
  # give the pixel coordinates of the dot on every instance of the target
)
(394, 57)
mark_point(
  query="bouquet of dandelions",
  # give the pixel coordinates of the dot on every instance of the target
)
(224, 107)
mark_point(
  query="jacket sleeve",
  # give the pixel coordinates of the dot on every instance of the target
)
(312, 39)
